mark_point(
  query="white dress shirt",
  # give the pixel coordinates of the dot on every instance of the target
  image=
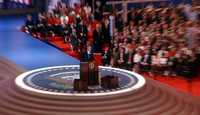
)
(62, 19)
(137, 58)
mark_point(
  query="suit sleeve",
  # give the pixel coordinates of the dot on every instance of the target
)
(83, 57)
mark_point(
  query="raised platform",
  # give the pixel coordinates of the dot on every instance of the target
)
(140, 97)
(59, 81)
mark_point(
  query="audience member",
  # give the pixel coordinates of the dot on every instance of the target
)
(105, 57)
(30, 24)
(41, 24)
(97, 39)
(74, 39)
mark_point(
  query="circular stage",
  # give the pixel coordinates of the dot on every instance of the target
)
(59, 80)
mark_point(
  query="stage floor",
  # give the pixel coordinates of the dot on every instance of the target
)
(59, 80)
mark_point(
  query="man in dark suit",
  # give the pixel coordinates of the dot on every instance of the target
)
(56, 10)
(105, 57)
(41, 24)
(83, 33)
(87, 55)
(129, 59)
(64, 31)
(71, 27)
(121, 59)
(30, 24)
(146, 61)
(97, 39)
(74, 40)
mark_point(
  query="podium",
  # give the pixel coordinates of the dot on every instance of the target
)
(80, 85)
(109, 81)
(90, 71)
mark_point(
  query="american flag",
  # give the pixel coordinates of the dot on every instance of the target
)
(28, 2)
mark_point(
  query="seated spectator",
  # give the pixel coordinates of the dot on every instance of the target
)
(50, 23)
(56, 10)
(64, 31)
(114, 57)
(63, 18)
(30, 24)
(105, 57)
(57, 24)
(137, 59)
(64, 9)
(71, 18)
(121, 59)
(145, 63)
(41, 24)
(129, 57)
(88, 10)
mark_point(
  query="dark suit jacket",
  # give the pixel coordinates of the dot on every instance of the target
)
(84, 57)
(65, 28)
(73, 39)
(79, 30)
(96, 36)
(148, 60)
(70, 29)
(127, 57)
(107, 55)
(30, 23)
(124, 57)
(42, 21)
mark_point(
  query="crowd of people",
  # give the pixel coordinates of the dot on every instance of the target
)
(155, 40)
(64, 21)
(164, 39)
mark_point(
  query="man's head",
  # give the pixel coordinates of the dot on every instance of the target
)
(120, 45)
(97, 26)
(147, 52)
(106, 48)
(122, 50)
(29, 16)
(40, 15)
(89, 48)
(87, 4)
(74, 31)
(130, 50)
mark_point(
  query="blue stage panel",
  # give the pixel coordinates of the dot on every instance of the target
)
(27, 51)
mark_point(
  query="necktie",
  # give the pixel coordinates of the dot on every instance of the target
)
(89, 56)
(121, 55)
(129, 59)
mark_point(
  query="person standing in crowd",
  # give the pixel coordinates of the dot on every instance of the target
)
(74, 39)
(83, 32)
(97, 39)
(87, 55)
(88, 12)
(105, 57)
(30, 24)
